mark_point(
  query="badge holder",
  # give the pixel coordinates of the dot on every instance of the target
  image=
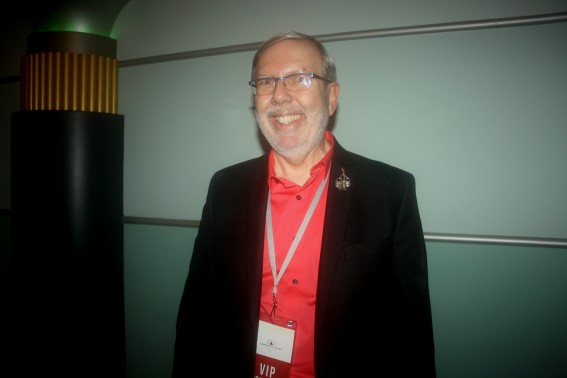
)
(274, 347)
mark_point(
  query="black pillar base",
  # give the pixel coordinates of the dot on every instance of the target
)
(67, 244)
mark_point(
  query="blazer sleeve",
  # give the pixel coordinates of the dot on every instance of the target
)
(409, 266)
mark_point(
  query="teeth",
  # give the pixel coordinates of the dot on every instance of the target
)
(288, 118)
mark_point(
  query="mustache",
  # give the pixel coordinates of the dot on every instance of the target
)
(279, 110)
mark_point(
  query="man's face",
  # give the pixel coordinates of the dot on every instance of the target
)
(294, 122)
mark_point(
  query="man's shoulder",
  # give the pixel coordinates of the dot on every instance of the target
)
(243, 170)
(246, 165)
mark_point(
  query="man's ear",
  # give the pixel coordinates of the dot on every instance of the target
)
(333, 90)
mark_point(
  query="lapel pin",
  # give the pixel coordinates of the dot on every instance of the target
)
(343, 182)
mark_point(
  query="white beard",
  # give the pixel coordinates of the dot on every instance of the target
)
(296, 152)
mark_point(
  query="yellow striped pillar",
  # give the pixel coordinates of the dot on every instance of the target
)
(70, 71)
(67, 151)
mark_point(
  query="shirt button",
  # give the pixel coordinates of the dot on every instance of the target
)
(298, 197)
(295, 281)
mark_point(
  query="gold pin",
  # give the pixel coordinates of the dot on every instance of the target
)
(343, 182)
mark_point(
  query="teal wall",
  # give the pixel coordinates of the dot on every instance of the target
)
(157, 260)
(498, 311)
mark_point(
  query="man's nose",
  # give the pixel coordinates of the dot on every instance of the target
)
(280, 92)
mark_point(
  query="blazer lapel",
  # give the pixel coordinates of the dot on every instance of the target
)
(338, 207)
(257, 201)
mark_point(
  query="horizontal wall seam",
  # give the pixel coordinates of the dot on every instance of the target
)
(374, 33)
(429, 236)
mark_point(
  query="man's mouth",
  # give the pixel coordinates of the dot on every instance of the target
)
(288, 118)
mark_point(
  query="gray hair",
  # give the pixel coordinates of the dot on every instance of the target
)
(329, 69)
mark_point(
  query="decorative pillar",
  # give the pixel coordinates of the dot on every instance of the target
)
(67, 208)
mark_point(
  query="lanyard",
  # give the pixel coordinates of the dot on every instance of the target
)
(271, 249)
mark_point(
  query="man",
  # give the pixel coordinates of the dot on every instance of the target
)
(310, 260)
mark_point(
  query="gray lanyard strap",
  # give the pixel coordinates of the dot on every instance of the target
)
(296, 240)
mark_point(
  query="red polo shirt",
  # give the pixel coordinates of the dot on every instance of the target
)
(297, 288)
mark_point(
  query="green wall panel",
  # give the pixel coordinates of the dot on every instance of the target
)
(156, 262)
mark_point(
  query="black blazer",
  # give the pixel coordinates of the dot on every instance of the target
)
(373, 313)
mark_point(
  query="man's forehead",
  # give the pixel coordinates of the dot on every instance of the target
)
(290, 53)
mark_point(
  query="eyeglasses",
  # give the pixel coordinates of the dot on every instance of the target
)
(293, 82)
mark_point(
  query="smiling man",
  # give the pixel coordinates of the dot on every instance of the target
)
(310, 260)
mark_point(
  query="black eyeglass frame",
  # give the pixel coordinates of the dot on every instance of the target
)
(311, 76)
